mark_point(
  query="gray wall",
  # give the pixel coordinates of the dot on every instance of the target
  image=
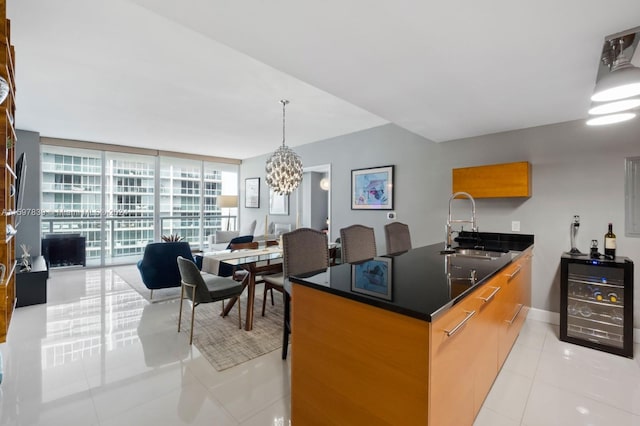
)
(576, 170)
(253, 169)
(29, 228)
(420, 190)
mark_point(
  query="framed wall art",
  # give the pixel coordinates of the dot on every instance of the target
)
(278, 204)
(372, 277)
(252, 193)
(372, 189)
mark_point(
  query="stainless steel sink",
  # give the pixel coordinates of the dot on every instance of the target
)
(478, 254)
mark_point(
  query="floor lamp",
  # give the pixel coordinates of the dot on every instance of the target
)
(228, 202)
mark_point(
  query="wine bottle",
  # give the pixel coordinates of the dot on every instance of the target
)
(617, 317)
(572, 309)
(597, 294)
(610, 242)
(585, 311)
(613, 297)
(594, 292)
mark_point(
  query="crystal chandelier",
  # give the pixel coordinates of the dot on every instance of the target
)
(284, 167)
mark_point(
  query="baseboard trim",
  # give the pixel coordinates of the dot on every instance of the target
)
(554, 318)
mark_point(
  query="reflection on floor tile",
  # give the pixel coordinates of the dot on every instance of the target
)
(509, 394)
(522, 360)
(190, 405)
(263, 382)
(99, 354)
(602, 377)
(551, 406)
(276, 414)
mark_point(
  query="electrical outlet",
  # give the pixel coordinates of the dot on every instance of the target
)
(515, 225)
(391, 215)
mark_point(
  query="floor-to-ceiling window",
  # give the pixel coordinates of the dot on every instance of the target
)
(122, 201)
(129, 203)
(189, 191)
(180, 194)
(71, 194)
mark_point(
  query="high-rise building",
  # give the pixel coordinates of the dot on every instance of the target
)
(117, 200)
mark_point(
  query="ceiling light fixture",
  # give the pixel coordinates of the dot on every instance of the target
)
(611, 118)
(616, 106)
(618, 89)
(623, 80)
(284, 167)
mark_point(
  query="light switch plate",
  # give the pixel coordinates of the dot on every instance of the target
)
(515, 226)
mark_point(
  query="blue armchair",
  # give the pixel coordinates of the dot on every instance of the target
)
(159, 265)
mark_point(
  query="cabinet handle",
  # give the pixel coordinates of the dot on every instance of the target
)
(491, 296)
(455, 329)
(514, 273)
(516, 315)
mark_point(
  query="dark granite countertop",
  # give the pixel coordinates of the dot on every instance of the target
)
(421, 283)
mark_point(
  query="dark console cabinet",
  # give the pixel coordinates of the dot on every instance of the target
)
(64, 250)
(31, 287)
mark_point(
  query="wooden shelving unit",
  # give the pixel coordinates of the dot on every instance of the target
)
(7, 175)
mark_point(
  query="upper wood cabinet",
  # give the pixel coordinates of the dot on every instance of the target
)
(494, 181)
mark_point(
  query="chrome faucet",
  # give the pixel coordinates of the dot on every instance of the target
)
(474, 225)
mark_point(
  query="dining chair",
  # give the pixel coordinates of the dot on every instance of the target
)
(397, 237)
(201, 287)
(358, 243)
(260, 279)
(304, 250)
(269, 287)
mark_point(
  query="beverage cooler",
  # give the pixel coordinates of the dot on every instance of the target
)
(596, 306)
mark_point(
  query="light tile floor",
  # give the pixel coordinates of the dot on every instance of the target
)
(98, 354)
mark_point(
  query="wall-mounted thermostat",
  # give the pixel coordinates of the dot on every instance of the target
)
(391, 215)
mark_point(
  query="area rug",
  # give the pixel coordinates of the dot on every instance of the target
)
(131, 275)
(220, 340)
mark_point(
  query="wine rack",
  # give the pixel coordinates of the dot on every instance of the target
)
(597, 303)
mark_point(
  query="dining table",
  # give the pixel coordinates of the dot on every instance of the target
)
(260, 261)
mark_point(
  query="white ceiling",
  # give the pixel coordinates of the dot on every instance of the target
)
(206, 76)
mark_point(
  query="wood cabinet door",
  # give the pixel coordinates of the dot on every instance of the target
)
(494, 180)
(454, 342)
(525, 279)
(486, 353)
(516, 280)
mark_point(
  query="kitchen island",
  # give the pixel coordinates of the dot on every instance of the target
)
(414, 338)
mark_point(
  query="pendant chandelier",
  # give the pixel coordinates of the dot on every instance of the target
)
(284, 167)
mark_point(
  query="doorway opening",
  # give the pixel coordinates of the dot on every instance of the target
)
(314, 198)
